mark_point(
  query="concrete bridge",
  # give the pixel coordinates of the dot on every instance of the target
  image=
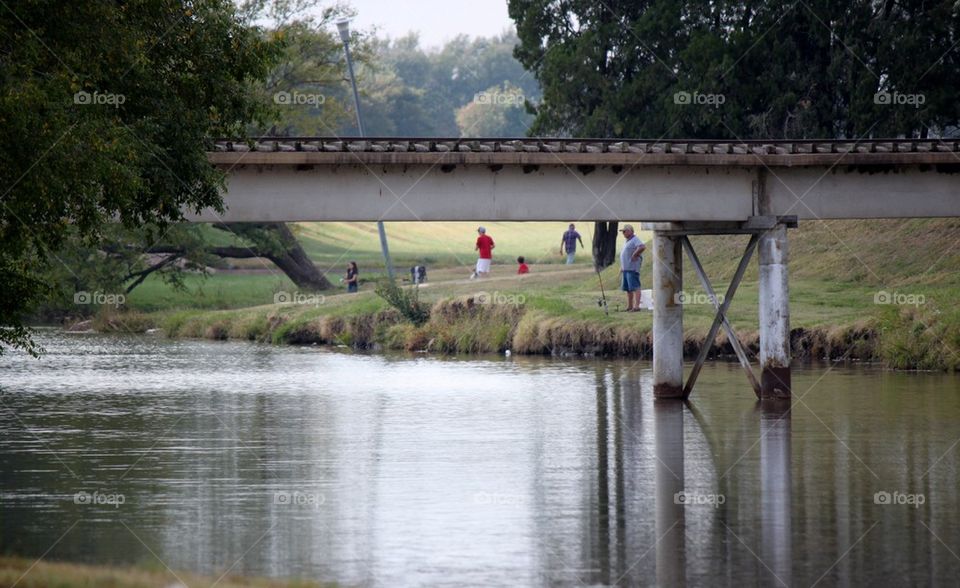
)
(759, 188)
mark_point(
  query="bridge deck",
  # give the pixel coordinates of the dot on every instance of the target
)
(407, 179)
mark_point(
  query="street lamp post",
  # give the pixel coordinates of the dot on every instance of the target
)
(343, 25)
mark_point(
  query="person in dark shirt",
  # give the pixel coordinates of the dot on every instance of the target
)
(353, 277)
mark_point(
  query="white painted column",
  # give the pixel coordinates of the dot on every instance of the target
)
(774, 314)
(667, 316)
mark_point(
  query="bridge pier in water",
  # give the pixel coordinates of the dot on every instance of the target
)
(768, 235)
(667, 316)
(774, 314)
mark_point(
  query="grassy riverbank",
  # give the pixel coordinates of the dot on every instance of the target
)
(26, 573)
(842, 276)
(552, 311)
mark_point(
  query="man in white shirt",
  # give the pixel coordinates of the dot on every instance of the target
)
(631, 257)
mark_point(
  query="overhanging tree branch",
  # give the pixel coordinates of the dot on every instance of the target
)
(142, 275)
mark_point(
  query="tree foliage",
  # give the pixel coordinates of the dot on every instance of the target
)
(309, 88)
(498, 111)
(308, 85)
(405, 300)
(409, 91)
(106, 112)
(776, 70)
(118, 262)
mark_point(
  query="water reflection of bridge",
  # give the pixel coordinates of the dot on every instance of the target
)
(693, 539)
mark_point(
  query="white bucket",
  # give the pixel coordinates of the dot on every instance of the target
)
(646, 299)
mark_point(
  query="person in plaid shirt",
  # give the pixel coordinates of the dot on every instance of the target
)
(568, 243)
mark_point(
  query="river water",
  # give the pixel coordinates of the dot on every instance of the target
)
(418, 470)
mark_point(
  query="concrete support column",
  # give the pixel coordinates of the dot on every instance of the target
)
(774, 314)
(667, 316)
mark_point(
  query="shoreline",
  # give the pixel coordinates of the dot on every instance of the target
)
(463, 325)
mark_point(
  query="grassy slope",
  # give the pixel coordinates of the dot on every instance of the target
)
(836, 269)
(332, 245)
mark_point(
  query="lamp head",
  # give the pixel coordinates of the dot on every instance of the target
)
(343, 25)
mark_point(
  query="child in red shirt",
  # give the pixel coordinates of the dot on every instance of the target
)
(522, 269)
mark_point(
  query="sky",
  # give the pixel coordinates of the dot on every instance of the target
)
(436, 20)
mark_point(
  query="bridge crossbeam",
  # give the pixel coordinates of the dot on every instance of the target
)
(768, 235)
(721, 316)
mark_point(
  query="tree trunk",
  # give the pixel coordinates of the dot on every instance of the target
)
(294, 262)
(276, 242)
(272, 241)
(604, 244)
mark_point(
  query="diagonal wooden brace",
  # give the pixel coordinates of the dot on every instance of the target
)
(721, 318)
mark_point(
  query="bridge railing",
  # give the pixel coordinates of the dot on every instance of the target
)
(623, 146)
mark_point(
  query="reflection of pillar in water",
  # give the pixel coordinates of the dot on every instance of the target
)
(671, 527)
(602, 542)
(632, 419)
(775, 488)
(610, 544)
(619, 482)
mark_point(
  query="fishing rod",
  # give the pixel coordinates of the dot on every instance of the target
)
(603, 301)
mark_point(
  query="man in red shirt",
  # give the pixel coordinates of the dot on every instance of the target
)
(485, 246)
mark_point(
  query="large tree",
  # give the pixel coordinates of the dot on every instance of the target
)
(800, 70)
(309, 88)
(309, 62)
(106, 113)
(738, 69)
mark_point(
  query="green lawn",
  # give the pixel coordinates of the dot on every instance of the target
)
(218, 291)
(436, 244)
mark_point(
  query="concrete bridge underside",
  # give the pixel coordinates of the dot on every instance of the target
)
(758, 188)
(450, 186)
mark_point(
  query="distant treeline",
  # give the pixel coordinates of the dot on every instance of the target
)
(470, 87)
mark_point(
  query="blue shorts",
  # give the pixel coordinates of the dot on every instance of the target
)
(630, 281)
